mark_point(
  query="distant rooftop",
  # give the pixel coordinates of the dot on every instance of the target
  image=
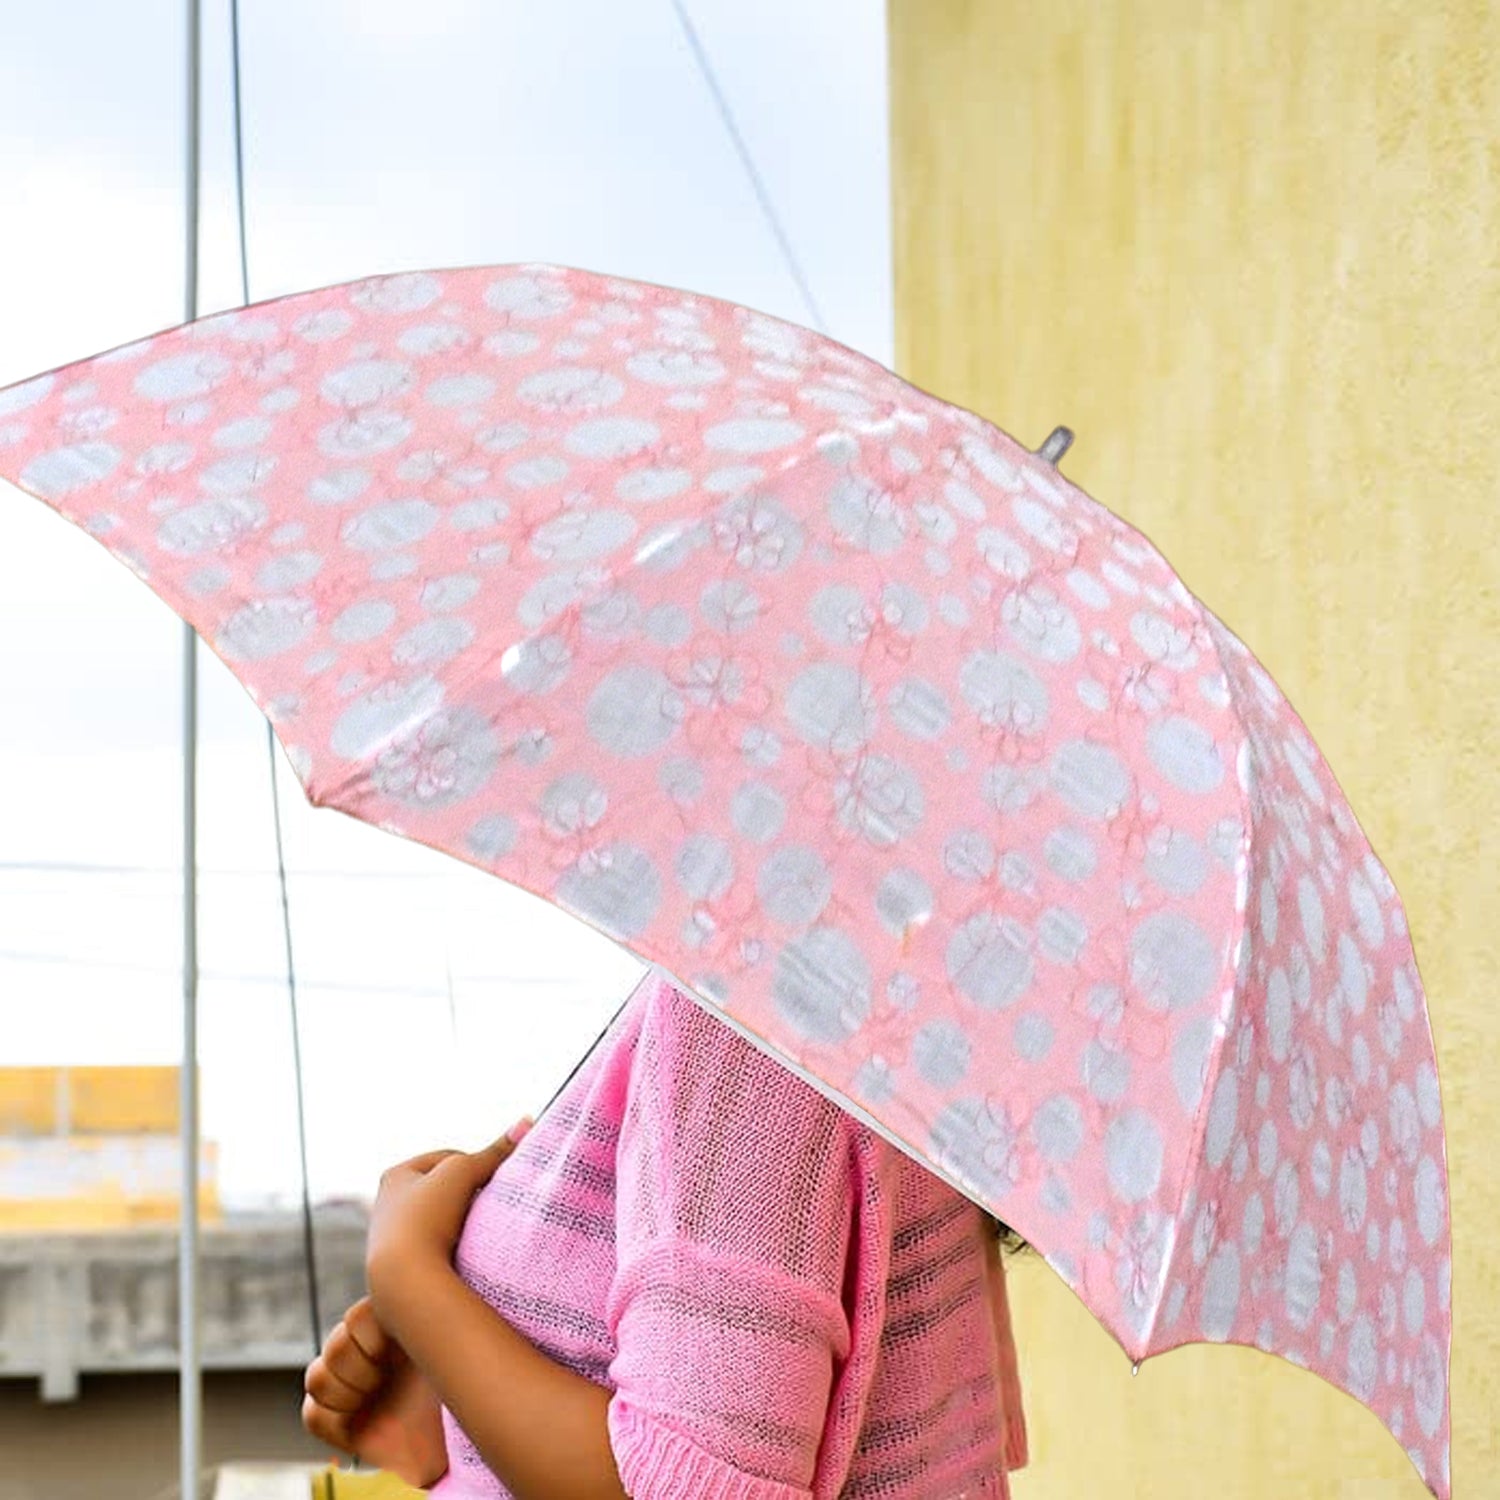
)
(88, 1301)
(90, 1197)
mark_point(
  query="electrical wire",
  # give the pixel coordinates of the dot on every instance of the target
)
(415, 992)
(747, 161)
(309, 1243)
(79, 867)
(309, 1240)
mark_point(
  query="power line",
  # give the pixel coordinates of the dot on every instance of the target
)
(239, 151)
(308, 1242)
(80, 867)
(124, 966)
(747, 160)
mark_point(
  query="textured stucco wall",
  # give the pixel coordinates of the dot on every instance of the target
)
(1251, 252)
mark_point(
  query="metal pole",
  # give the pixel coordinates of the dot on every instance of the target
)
(189, 1353)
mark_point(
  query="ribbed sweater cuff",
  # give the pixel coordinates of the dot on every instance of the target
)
(656, 1463)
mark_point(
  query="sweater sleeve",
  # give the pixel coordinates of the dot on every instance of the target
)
(735, 1200)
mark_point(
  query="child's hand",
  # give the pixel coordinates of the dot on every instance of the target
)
(421, 1206)
(366, 1398)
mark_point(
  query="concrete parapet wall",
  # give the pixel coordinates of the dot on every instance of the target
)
(94, 1302)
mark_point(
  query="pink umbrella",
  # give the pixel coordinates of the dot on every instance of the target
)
(910, 761)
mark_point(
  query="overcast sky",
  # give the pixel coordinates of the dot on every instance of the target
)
(379, 136)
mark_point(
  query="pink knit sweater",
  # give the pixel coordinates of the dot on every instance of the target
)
(784, 1305)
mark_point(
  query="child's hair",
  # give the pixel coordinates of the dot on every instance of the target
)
(1010, 1242)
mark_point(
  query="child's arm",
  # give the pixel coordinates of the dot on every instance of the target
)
(540, 1427)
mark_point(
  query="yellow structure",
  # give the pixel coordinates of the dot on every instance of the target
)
(1251, 252)
(340, 1485)
(94, 1101)
(93, 1148)
(285, 1481)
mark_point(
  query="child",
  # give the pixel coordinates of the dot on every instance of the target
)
(698, 1279)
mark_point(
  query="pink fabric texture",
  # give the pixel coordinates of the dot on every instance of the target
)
(785, 1306)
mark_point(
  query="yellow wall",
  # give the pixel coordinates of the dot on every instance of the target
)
(1251, 252)
(43, 1101)
(94, 1148)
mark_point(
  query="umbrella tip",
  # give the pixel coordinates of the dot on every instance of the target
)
(1058, 442)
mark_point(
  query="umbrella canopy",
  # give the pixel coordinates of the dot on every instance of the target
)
(904, 756)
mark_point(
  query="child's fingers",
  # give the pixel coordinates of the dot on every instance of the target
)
(347, 1362)
(482, 1164)
(493, 1154)
(425, 1162)
(497, 1151)
(467, 1173)
(330, 1390)
(475, 1168)
(331, 1427)
(364, 1329)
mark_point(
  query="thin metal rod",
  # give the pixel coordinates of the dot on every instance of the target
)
(189, 1351)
